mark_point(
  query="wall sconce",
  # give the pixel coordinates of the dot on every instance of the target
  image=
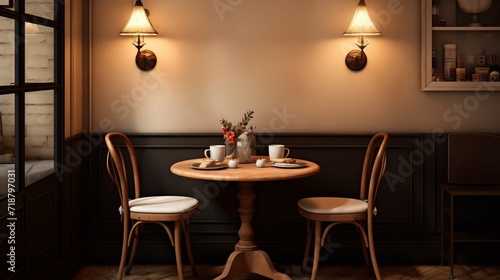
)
(139, 26)
(361, 26)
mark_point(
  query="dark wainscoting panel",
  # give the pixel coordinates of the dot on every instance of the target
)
(406, 227)
(42, 222)
(48, 230)
(35, 235)
(72, 191)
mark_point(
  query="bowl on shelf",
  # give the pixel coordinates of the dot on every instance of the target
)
(474, 8)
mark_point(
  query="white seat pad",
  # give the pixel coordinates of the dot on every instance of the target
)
(162, 204)
(333, 205)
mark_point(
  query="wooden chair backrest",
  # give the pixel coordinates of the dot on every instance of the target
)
(373, 168)
(117, 163)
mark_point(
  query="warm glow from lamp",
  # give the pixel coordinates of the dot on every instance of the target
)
(139, 25)
(361, 26)
(32, 28)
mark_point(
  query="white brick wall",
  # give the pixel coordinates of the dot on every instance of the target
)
(43, 8)
(40, 56)
(39, 141)
(6, 51)
(8, 120)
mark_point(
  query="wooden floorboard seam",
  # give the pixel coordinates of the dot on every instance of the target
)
(326, 272)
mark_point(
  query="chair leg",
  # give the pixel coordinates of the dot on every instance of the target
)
(178, 249)
(133, 252)
(317, 248)
(307, 252)
(123, 258)
(371, 245)
(189, 249)
(365, 250)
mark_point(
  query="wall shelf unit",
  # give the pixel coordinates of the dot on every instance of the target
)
(474, 46)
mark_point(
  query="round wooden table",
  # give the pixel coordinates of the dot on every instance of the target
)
(246, 256)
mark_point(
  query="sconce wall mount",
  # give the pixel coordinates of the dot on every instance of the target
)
(139, 26)
(361, 26)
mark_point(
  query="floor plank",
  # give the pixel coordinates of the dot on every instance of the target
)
(326, 272)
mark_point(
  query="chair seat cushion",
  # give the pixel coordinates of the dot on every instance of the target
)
(162, 204)
(333, 205)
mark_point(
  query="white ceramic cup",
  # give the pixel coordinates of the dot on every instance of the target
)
(278, 151)
(217, 152)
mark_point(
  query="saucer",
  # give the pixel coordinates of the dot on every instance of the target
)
(213, 167)
(289, 165)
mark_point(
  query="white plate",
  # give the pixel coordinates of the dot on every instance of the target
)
(289, 165)
(213, 167)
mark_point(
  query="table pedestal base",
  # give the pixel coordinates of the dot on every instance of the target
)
(241, 262)
(246, 258)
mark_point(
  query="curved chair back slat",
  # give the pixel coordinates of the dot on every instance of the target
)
(113, 174)
(373, 167)
(117, 164)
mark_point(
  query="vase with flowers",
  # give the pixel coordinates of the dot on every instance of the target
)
(238, 138)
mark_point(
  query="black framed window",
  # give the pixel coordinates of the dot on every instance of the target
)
(31, 91)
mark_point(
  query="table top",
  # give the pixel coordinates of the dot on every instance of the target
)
(245, 172)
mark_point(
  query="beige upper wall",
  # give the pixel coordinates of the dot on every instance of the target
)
(284, 59)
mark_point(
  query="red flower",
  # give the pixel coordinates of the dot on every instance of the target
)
(231, 132)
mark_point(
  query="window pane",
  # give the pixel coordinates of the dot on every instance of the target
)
(39, 138)
(39, 54)
(41, 8)
(7, 142)
(7, 51)
(9, 4)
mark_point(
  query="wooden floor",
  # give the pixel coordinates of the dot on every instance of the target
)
(421, 272)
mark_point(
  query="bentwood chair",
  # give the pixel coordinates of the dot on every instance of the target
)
(340, 210)
(137, 211)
